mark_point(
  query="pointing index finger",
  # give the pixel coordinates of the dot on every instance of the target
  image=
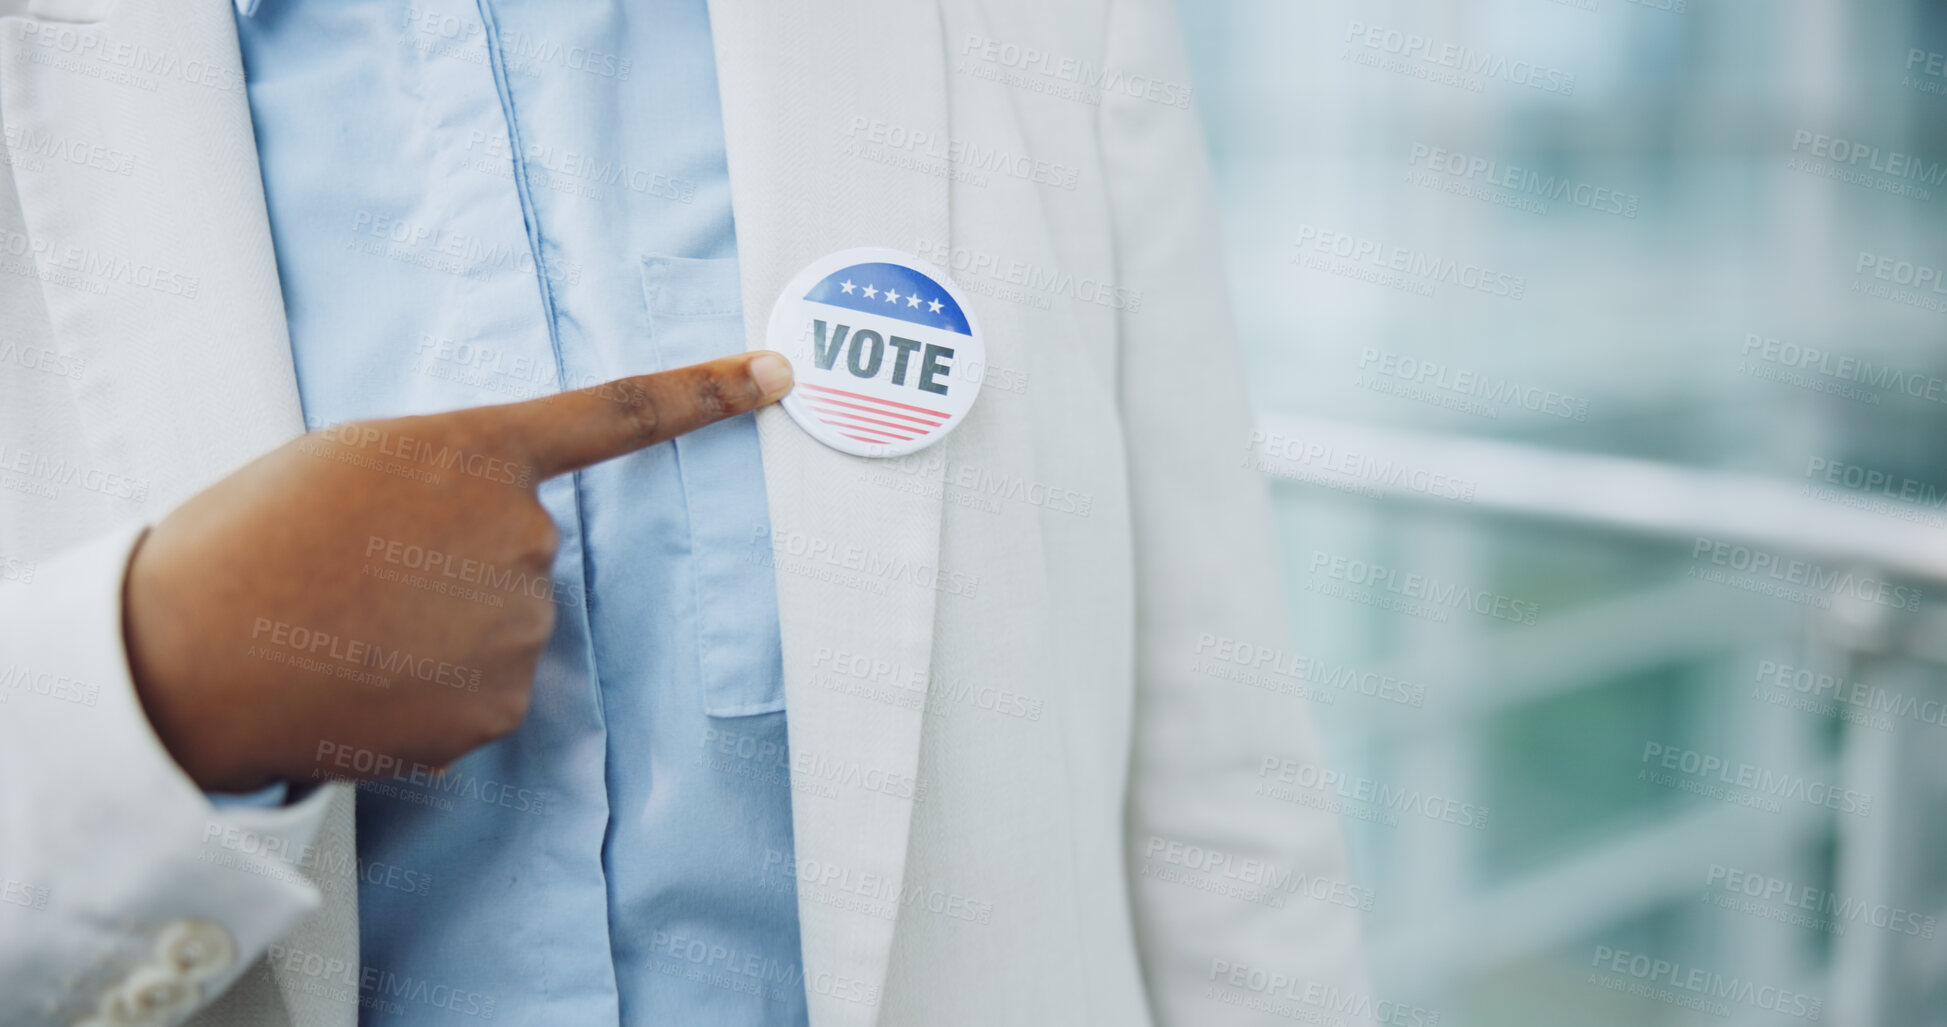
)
(572, 430)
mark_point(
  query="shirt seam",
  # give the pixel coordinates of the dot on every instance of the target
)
(531, 218)
(531, 221)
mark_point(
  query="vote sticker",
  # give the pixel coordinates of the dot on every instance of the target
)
(885, 351)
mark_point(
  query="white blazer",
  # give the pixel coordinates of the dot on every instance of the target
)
(1055, 663)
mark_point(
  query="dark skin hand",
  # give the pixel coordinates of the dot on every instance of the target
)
(381, 588)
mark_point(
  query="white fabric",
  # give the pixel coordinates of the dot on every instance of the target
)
(998, 725)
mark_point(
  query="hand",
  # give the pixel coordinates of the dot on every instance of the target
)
(266, 618)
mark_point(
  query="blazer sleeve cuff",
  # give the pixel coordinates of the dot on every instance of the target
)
(131, 875)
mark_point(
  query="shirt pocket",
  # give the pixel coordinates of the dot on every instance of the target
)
(696, 313)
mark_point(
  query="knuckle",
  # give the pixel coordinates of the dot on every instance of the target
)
(525, 626)
(547, 539)
(499, 716)
(639, 405)
(539, 538)
(509, 703)
(499, 709)
(510, 709)
(711, 398)
(538, 624)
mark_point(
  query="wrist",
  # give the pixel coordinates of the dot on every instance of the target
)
(195, 725)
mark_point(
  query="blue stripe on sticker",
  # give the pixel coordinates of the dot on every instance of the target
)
(890, 290)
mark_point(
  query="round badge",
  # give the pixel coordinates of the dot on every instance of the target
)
(885, 350)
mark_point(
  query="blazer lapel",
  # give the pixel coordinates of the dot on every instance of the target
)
(159, 277)
(158, 271)
(856, 563)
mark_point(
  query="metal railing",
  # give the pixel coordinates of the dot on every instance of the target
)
(1453, 931)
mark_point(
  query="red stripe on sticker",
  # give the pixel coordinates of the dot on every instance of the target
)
(816, 405)
(874, 399)
(863, 428)
(920, 422)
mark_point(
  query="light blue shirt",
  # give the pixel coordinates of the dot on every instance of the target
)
(626, 855)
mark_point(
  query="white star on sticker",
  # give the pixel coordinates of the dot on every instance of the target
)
(913, 300)
(846, 286)
(892, 296)
(933, 307)
(871, 293)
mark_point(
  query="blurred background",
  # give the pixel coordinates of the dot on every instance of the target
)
(1599, 351)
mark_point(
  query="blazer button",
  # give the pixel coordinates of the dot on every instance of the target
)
(197, 949)
(151, 994)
